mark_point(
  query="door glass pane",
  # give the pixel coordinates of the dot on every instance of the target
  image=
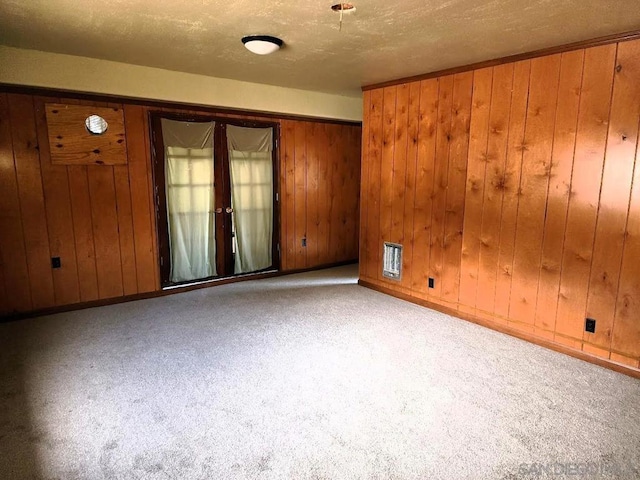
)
(251, 167)
(189, 176)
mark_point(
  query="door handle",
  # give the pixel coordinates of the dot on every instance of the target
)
(218, 210)
(228, 210)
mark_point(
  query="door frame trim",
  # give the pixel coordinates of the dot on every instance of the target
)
(159, 193)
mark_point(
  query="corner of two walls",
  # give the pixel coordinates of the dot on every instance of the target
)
(516, 188)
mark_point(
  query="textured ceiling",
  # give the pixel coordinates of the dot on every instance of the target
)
(383, 40)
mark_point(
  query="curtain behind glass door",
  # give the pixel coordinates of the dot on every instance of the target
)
(189, 175)
(251, 168)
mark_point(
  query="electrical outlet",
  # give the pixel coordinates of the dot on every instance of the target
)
(432, 282)
(304, 242)
(590, 325)
(55, 262)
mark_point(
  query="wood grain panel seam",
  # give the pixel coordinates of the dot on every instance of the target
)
(392, 155)
(364, 164)
(566, 209)
(153, 218)
(440, 176)
(505, 163)
(44, 197)
(306, 190)
(133, 230)
(432, 154)
(626, 229)
(484, 176)
(573, 166)
(282, 189)
(595, 229)
(396, 151)
(19, 199)
(546, 207)
(73, 230)
(415, 182)
(42, 192)
(519, 191)
(93, 237)
(115, 204)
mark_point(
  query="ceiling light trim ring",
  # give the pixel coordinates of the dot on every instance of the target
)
(262, 44)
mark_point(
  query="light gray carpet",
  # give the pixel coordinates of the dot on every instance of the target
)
(301, 377)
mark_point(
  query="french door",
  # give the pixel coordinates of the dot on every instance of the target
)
(216, 198)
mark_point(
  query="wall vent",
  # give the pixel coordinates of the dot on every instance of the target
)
(392, 261)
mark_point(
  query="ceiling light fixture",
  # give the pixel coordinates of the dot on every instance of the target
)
(262, 44)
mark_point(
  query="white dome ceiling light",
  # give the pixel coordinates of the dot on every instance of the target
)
(262, 44)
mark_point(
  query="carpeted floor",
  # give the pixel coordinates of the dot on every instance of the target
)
(301, 377)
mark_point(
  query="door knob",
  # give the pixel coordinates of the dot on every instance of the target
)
(228, 210)
(218, 210)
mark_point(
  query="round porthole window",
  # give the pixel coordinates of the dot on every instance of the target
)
(96, 124)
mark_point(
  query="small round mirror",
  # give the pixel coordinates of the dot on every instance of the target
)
(96, 124)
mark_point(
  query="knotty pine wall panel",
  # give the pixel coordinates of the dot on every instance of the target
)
(320, 180)
(549, 204)
(456, 180)
(399, 170)
(413, 127)
(475, 186)
(494, 181)
(287, 190)
(591, 138)
(312, 182)
(441, 173)
(534, 184)
(300, 198)
(13, 254)
(373, 248)
(100, 219)
(615, 194)
(386, 165)
(55, 183)
(564, 140)
(351, 157)
(424, 186)
(511, 189)
(32, 209)
(364, 245)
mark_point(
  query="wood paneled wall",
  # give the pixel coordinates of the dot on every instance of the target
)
(320, 188)
(100, 220)
(517, 189)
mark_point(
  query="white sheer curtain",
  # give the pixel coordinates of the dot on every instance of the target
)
(190, 198)
(251, 167)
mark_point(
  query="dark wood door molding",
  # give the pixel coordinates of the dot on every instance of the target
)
(222, 188)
